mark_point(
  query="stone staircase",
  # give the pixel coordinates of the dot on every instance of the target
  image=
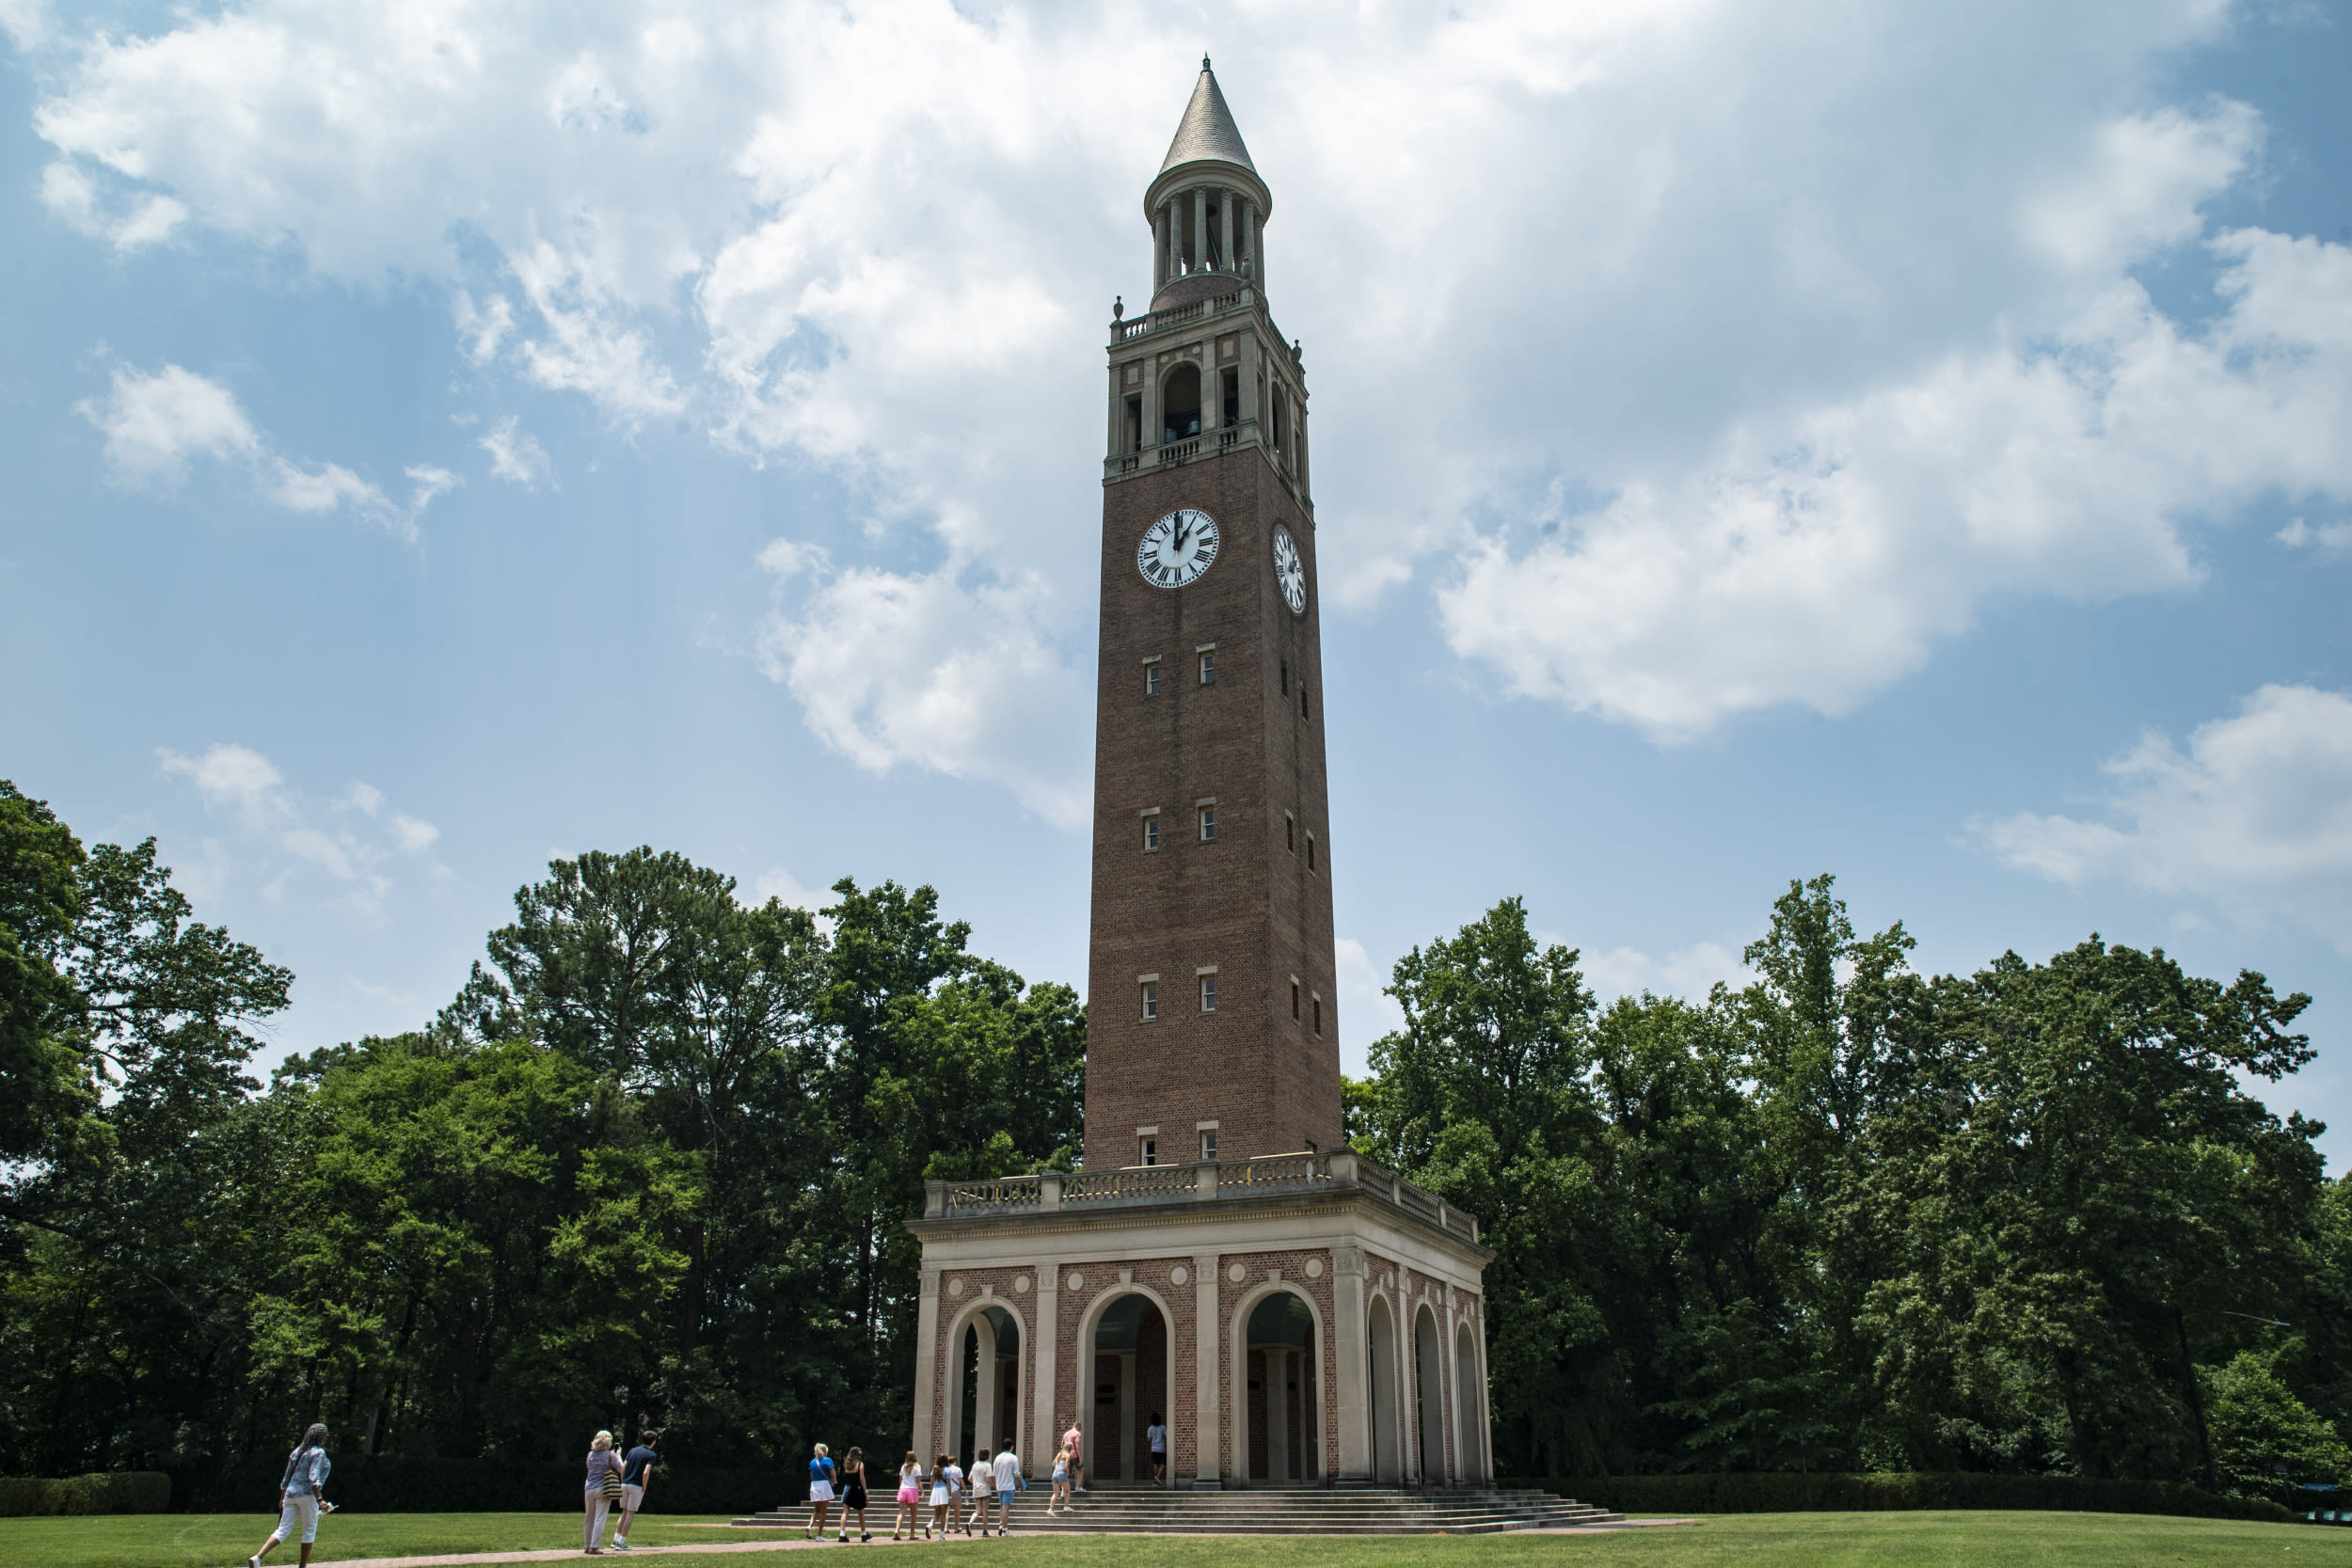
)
(1274, 1511)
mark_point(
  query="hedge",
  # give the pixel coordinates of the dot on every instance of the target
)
(108, 1492)
(1776, 1491)
(389, 1484)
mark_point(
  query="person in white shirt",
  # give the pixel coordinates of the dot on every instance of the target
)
(1155, 1436)
(1008, 1467)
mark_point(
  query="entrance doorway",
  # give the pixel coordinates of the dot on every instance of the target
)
(1285, 1373)
(1131, 1379)
(984, 1404)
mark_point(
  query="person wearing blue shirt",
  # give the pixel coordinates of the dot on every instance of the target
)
(820, 1490)
(298, 1492)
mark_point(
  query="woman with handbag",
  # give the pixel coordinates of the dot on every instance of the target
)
(603, 1489)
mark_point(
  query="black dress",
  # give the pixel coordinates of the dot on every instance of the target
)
(854, 1490)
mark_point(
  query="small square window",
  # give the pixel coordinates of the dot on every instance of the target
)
(1151, 1151)
(1310, 851)
(1208, 1146)
(1152, 678)
(1208, 824)
(1208, 993)
(1208, 669)
(1151, 1001)
(1150, 835)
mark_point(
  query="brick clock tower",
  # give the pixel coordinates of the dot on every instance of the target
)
(1295, 1315)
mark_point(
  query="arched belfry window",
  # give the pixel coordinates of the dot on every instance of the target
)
(1180, 402)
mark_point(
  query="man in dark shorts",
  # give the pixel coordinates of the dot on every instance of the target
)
(636, 1475)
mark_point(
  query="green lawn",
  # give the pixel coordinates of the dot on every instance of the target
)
(1749, 1539)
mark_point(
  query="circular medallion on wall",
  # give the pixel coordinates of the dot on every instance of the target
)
(1021, 1284)
(1237, 1274)
(1177, 1275)
(1077, 1282)
(955, 1287)
(1314, 1268)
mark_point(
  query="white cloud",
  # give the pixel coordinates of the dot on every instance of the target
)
(352, 841)
(1811, 335)
(2254, 816)
(1366, 1010)
(516, 456)
(1688, 972)
(1818, 560)
(154, 423)
(2327, 538)
(953, 670)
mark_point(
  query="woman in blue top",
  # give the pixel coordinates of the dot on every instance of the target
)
(820, 1490)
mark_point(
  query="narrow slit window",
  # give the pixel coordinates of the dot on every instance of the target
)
(1310, 851)
(1302, 700)
(1208, 993)
(1208, 824)
(1151, 1001)
(1290, 832)
(1294, 1001)
(1318, 1017)
(1286, 677)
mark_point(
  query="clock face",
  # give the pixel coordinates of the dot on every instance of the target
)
(1177, 548)
(1290, 573)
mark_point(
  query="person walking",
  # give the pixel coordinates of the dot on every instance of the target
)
(1074, 1440)
(1060, 1495)
(910, 1495)
(1155, 1438)
(939, 1499)
(981, 1486)
(1007, 1468)
(603, 1488)
(820, 1490)
(636, 1473)
(298, 1495)
(853, 1495)
(956, 1499)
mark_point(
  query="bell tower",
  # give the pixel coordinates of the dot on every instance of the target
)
(1223, 1267)
(1211, 1026)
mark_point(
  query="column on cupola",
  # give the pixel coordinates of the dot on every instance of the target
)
(1200, 228)
(1256, 252)
(1159, 250)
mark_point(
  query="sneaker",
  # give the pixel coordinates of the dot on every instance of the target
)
(253, 1561)
(863, 1536)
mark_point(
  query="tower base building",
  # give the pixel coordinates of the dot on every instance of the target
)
(1223, 1266)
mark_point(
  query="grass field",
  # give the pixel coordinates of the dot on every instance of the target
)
(1748, 1540)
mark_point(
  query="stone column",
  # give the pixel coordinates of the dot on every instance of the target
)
(1159, 250)
(1208, 1351)
(1278, 1413)
(1257, 249)
(1044, 1434)
(1353, 1353)
(927, 1366)
(1200, 228)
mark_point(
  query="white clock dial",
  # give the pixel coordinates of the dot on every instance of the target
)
(1178, 548)
(1289, 572)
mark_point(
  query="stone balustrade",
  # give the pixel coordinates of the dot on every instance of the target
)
(1205, 1181)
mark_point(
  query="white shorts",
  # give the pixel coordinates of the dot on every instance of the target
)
(302, 1512)
(821, 1491)
(632, 1499)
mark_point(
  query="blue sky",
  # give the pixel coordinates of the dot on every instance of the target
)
(1750, 441)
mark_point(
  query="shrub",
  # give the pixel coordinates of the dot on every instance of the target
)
(1777, 1491)
(110, 1492)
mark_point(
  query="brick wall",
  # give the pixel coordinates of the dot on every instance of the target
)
(1248, 903)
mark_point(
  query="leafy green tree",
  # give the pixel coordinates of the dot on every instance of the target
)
(2267, 1442)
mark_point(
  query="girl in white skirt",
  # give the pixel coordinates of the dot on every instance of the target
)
(820, 1490)
(939, 1498)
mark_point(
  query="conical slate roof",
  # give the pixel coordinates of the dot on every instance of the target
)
(1207, 131)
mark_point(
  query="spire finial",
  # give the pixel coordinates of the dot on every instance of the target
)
(1204, 62)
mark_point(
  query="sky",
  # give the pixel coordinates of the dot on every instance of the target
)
(1910, 443)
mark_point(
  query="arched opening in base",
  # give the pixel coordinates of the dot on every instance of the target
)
(1385, 1464)
(984, 1398)
(1285, 1411)
(1429, 1396)
(1129, 1378)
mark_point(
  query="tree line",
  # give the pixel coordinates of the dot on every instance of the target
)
(650, 1164)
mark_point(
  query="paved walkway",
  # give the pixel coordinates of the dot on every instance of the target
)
(799, 1544)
